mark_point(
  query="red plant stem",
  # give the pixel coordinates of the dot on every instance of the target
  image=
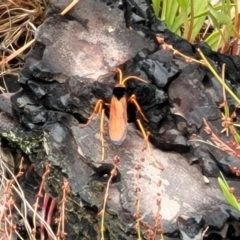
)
(64, 199)
(44, 208)
(235, 42)
(50, 214)
(46, 171)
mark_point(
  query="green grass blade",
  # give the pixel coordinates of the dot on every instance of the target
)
(213, 40)
(172, 7)
(199, 7)
(184, 5)
(156, 7)
(229, 196)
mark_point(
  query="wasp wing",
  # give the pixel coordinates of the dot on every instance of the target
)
(118, 120)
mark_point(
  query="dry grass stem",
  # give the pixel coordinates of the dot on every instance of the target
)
(220, 144)
(61, 234)
(137, 190)
(176, 52)
(113, 173)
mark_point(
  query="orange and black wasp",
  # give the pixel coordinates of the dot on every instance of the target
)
(118, 119)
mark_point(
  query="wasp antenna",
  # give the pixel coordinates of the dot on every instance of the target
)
(120, 75)
(133, 77)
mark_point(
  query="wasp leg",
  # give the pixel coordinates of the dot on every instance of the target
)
(96, 111)
(133, 100)
(145, 136)
(69, 7)
(102, 134)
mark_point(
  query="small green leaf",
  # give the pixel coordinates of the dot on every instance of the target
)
(223, 18)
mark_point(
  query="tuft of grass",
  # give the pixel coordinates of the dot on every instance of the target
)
(20, 19)
(197, 20)
(18, 22)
